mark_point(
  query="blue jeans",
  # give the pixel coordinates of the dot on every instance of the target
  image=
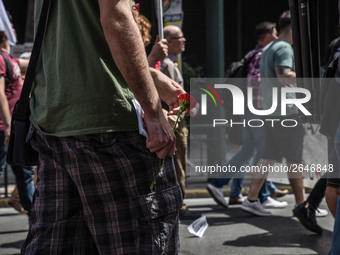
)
(23, 177)
(252, 149)
(271, 187)
(335, 247)
(267, 189)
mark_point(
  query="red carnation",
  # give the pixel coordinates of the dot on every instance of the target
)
(158, 65)
(187, 102)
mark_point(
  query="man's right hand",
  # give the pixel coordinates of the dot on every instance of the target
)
(7, 133)
(162, 139)
(158, 52)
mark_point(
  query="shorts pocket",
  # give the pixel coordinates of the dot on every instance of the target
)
(157, 204)
(158, 231)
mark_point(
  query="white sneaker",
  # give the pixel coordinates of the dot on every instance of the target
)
(321, 212)
(255, 208)
(217, 195)
(272, 203)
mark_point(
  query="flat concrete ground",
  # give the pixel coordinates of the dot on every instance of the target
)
(230, 231)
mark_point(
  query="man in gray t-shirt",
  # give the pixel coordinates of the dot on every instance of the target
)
(277, 61)
(277, 71)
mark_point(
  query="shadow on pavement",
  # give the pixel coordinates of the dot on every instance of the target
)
(281, 231)
(10, 214)
(16, 245)
(12, 232)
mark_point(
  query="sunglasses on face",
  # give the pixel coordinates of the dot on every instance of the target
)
(177, 37)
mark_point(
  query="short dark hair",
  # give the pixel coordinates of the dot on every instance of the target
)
(284, 21)
(264, 28)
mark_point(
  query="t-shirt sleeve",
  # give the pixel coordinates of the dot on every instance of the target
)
(284, 57)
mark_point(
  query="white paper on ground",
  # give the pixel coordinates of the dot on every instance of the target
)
(199, 226)
(140, 117)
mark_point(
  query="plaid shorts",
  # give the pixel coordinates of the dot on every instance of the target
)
(93, 197)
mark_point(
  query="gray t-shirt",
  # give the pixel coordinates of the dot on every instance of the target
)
(277, 53)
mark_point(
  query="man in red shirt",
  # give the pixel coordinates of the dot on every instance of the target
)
(10, 89)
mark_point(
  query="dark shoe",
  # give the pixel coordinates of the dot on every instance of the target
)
(236, 201)
(187, 215)
(217, 195)
(280, 193)
(306, 215)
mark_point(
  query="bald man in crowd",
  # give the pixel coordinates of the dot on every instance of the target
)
(176, 45)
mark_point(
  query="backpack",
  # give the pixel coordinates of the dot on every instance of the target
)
(238, 69)
(329, 101)
(332, 52)
(9, 72)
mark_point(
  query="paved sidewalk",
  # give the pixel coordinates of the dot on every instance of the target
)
(13, 230)
(230, 231)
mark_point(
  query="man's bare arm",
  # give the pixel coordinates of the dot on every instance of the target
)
(128, 52)
(5, 114)
(167, 88)
(23, 63)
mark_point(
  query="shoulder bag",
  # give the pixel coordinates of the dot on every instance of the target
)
(20, 152)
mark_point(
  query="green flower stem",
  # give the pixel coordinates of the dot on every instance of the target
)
(177, 119)
(161, 163)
